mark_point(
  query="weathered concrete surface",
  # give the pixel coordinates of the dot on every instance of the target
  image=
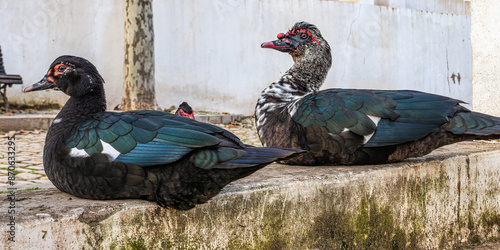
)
(485, 37)
(439, 201)
(17, 122)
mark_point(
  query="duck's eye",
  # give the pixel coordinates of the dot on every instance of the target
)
(61, 68)
(303, 36)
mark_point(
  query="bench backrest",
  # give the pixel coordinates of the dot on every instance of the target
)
(2, 69)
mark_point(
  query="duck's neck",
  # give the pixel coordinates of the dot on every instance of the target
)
(306, 76)
(309, 72)
(79, 108)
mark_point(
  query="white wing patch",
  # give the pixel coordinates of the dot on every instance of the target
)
(58, 120)
(374, 120)
(367, 137)
(78, 153)
(107, 149)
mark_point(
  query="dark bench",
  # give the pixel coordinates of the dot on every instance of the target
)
(7, 81)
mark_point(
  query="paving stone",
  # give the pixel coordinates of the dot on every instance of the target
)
(227, 119)
(40, 172)
(42, 181)
(33, 162)
(21, 165)
(28, 176)
(36, 148)
(37, 167)
(22, 158)
(19, 183)
(35, 152)
(215, 119)
(24, 170)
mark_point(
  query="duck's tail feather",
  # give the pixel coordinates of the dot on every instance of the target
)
(256, 156)
(474, 123)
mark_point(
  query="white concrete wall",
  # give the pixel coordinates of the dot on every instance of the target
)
(485, 38)
(208, 52)
(35, 32)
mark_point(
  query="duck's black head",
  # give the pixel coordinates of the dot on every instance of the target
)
(301, 39)
(75, 76)
(185, 110)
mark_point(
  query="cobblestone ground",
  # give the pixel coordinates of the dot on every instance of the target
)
(28, 158)
(29, 147)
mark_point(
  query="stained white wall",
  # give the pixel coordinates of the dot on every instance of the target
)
(208, 52)
(35, 32)
(485, 38)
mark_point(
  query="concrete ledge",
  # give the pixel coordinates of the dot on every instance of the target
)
(442, 200)
(218, 119)
(27, 122)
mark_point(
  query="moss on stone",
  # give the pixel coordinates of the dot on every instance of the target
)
(274, 235)
(333, 229)
(490, 220)
(371, 226)
(134, 244)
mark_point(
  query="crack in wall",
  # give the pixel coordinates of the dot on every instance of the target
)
(448, 72)
(349, 38)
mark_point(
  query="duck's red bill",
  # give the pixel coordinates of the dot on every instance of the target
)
(279, 45)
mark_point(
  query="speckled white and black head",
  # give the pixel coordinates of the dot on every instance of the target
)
(313, 59)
